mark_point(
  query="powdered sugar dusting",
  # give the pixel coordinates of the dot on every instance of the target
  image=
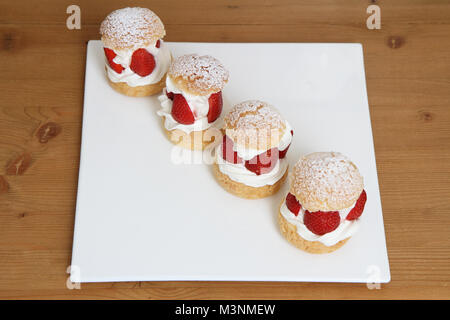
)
(131, 28)
(200, 74)
(326, 181)
(255, 121)
(254, 114)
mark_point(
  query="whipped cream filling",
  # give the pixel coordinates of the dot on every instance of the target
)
(239, 173)
(198, 104)
(248, 153)
(162, 61)
(345, 229)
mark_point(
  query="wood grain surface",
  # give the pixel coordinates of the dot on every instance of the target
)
(41, 98)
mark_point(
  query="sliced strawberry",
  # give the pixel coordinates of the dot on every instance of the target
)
(227, 151)
(292, 203)
(181, 111)
(282, 153)
(321, 222)
(169, 95)
(357, 210)
(110, 55)
(264, 162)
(215, 106)
(142, 62)
(158, 43)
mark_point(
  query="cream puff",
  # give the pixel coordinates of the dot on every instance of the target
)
(191, 103)
(251, 160)
(137, 59)
(323, 207)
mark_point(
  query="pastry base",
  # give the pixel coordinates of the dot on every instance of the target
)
(289, 231)
(196, 140)
(139, 91)
(244, 191)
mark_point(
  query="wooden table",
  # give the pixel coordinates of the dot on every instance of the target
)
(41, 98)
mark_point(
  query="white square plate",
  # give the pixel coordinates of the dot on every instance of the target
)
(140, 216)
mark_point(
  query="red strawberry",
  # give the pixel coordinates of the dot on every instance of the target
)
(158, 43)
(292, 203)
(215, 106)
(227, 151)
(169, 95)
(181, 111)
(110, 55)
(357, 210)
(142, 62)
(264, 162)
(321, 222)
(282, 153)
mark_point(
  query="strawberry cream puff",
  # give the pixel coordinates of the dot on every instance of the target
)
(251, 160)
(137, 59)
(192, 101)
(322, 209)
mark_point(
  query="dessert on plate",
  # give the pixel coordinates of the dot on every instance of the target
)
(323, 207)
(137, 59)
(251, 160)
(191, 103)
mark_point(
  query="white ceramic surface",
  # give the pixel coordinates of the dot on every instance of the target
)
(141, 216)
